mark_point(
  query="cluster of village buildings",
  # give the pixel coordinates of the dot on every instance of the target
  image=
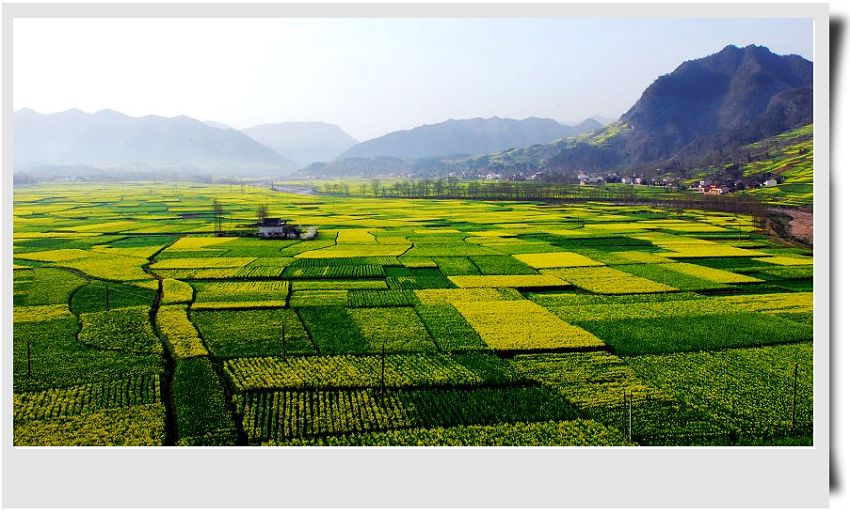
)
(713, 186)
(717, 187)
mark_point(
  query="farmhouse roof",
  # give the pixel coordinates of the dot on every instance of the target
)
(271, 222)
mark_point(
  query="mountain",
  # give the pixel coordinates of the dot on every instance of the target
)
(738, 93)
(589, 125)
(465, 137)
(151, 144)
(704, 107)
(302, 142)
(602, 120)
(217, 124)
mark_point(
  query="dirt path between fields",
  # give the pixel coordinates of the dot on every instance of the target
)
(795, 225)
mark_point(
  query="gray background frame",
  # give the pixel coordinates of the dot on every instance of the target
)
(485, 477)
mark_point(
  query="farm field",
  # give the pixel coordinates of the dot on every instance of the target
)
(403, 322)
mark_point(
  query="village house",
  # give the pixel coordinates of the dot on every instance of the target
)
(275, 228)
(586, 180)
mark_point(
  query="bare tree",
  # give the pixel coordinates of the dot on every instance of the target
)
(262, 213)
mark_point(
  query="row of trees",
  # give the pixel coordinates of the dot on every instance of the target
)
(452, 188)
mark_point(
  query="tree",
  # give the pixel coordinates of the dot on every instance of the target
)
(438, 187)
(218, 213)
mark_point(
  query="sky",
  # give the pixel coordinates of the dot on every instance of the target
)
(369, 76)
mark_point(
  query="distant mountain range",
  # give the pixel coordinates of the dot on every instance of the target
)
(92, 144)
(466, 137)
(303, 142)
(704, 107)
(720, 102)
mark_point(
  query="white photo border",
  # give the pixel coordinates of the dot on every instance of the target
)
(435, 476)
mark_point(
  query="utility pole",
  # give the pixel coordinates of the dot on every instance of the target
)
(106, 293)
(383, 363)
(283, 340)
(624, 412)
(29, 359)
(794, 400)
(218, 212)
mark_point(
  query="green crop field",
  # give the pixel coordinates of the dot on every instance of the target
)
(403, 322)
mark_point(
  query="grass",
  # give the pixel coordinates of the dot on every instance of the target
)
(396, 330)
(237, 333)
(696, 333)
(127, 330)
(60, 360)
(203, 417)
(350, 372)
(745, 389)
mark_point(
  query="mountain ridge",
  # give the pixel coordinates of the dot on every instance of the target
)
(110, 139)
(303, 142)
(455, 137)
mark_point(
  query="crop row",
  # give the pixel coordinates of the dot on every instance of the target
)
(179, 333)
(556, 260)
(434, 296)
(259, 272)
(100, 295)
(508, 281)
(57, 359)
(229, 291)
(607, 280)
(45, 286)
(523, 325)
(343, 261)
(738, 388)
(416, 261)
(319, 298)
(356, 250)
(339, 284)
(78, 400)
(589, 380)
(174, 291)
(142, 425)
(125, 329)
(633, 311)
(790, 272)
(37, 313)
(401, 371)
(783, 260)
(415, 278)
(380, 298)
(201, 412)
(790, 302)
(250, 332)
(500, 265)
(449, 330)
(286, 414)
(334, 272)
(667, 335)
(580, 432)
(689, 247)
(201, 262)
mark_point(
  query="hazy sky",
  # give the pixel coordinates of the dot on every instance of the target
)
(369, 76)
